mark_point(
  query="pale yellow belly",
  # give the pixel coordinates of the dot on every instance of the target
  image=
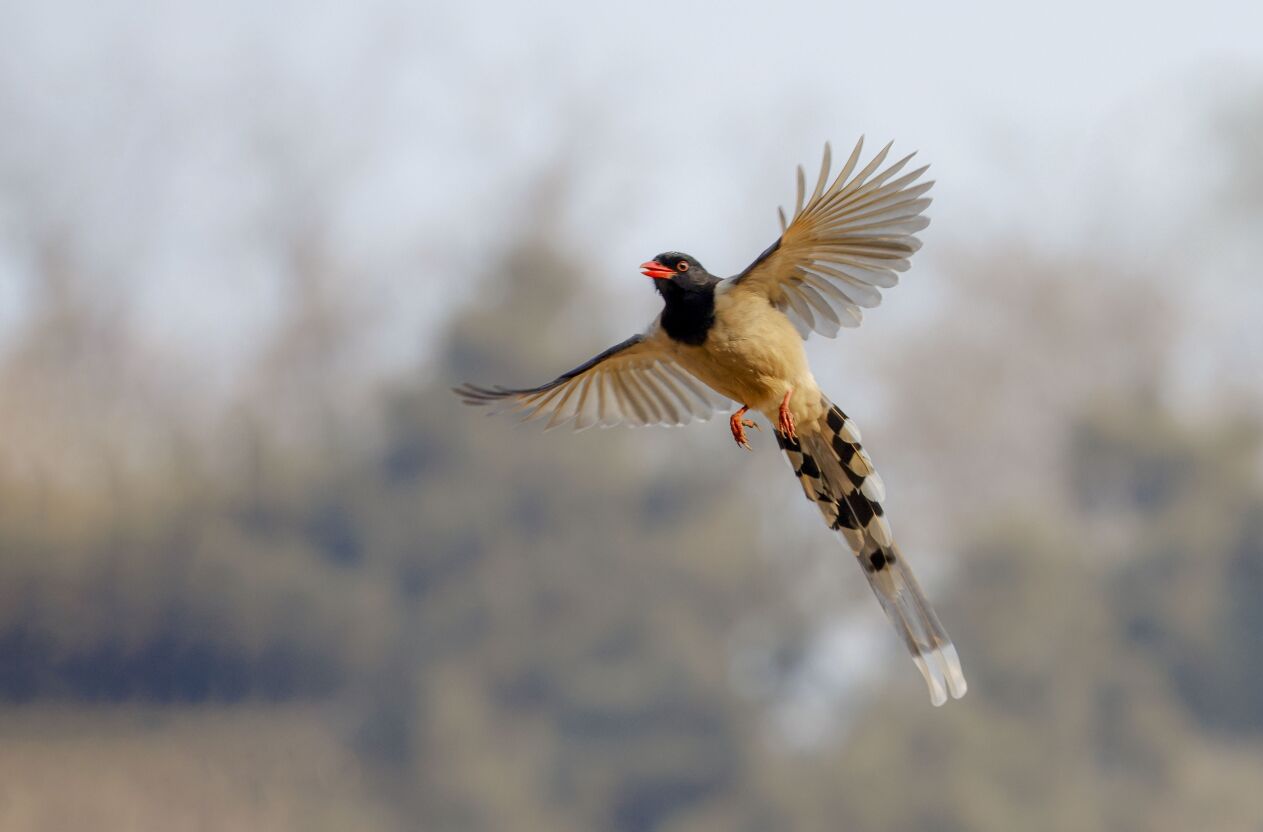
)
(753, 355)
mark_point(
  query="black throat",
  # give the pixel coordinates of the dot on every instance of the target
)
(689, 312)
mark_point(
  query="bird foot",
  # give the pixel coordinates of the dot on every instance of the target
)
(738, 426)
(786, 423)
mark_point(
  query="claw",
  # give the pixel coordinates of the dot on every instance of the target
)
(786, 422)
(738, 426)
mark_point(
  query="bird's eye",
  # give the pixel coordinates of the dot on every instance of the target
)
(683, 265)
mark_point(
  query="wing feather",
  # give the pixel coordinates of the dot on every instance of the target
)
(640, 399)
(665, 398)
(637, 382)
(707, 400)
(824, 172)
(845, 243)
(640, 382)
(667, 382)
(586, 406)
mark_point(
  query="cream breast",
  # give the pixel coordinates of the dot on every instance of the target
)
(752, 355)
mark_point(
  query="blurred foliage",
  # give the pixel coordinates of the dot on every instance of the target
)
(516, 630)
(344, 604)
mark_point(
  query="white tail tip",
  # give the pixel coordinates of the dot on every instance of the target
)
(943, 674)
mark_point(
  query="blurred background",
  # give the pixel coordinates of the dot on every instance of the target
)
(260, 570)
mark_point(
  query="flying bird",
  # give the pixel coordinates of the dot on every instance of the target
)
(740, 339)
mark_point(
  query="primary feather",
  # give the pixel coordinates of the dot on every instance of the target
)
(844, 243)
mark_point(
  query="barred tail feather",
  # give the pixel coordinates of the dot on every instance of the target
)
(838, 476)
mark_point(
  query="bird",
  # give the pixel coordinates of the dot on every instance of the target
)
(740, 340)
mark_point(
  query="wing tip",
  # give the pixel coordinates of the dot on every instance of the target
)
(472, 394)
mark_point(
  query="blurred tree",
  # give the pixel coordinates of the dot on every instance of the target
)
(1118, 692)
(519, 630)
(572, 595)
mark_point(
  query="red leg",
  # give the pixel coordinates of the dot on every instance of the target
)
(786, 424)
(738, 426)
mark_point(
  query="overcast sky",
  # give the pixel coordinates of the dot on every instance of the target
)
(175, 142)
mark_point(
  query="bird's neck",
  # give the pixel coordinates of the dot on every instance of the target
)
(688, 313)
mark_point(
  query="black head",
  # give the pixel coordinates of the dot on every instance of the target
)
(688, 295)
(675, 269)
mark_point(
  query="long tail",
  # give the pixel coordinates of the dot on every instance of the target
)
(838, 476)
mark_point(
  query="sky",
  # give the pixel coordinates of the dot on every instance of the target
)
(409, 139)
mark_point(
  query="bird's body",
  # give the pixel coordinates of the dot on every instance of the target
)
(742, 338)
(752, 354)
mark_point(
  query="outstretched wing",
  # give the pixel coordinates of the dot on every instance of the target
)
(848, 241)
(637, 382)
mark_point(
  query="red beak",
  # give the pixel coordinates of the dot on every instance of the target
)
(656, 270)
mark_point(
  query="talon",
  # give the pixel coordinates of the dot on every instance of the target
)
(738, 426)
(786, 423)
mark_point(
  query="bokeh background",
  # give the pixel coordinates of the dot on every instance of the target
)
(259, 569)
